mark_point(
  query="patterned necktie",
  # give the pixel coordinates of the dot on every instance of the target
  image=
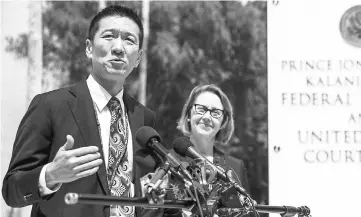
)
(119, 168)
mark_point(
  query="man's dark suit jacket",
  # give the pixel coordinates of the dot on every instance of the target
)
(50, 117)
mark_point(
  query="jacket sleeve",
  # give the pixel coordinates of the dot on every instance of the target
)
(237, 165)
(244, 177)
(30, 153)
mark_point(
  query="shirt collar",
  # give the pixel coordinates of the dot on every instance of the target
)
(99, 95)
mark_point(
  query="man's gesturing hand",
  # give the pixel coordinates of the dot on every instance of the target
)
(72, 164)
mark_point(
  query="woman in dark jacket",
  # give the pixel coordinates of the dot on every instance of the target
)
(207, 119)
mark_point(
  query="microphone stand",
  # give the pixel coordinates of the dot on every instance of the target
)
(74, 198)
(284, 211)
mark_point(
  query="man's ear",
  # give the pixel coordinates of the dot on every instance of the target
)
(140, 54)
(88, 49)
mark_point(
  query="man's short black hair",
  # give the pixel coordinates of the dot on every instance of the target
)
(115, 10)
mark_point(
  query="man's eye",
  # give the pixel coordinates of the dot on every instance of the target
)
(108, 36)
(131, 40)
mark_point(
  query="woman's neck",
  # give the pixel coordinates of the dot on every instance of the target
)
(203, 145)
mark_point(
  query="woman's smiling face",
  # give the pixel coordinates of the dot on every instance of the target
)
(206, 115)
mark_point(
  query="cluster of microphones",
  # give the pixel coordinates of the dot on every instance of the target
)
(211, 188)
(149, 139)
(164, 162)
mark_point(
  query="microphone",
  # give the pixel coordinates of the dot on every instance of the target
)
(149, 163)
(146, 161)
(148, 137)
(157, 177)
(184, 147)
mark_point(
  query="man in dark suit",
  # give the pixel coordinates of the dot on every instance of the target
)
(70, 138)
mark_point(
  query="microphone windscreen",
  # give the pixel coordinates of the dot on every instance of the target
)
(144, 134)
(145, 161)
(181, 144)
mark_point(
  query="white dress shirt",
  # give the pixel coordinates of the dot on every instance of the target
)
(100, 98)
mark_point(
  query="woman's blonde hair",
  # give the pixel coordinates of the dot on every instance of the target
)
(227, 128)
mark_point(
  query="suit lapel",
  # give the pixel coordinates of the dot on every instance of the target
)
(136, 120)
(83, 111)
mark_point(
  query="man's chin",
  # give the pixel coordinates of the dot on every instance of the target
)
(118, 72)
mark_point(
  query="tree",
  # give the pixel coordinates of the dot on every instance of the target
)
(35, 50)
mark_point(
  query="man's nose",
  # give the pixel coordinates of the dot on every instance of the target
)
(118, 46)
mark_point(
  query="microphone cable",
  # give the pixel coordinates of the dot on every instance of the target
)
(255, 212)
(253, 208)
(197, 199)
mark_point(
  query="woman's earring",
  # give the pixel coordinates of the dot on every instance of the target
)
(188, 120)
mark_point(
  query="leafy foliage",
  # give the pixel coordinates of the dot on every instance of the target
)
(190, 43)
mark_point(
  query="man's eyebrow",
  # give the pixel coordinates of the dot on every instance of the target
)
(117, 30)
(106, 30)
